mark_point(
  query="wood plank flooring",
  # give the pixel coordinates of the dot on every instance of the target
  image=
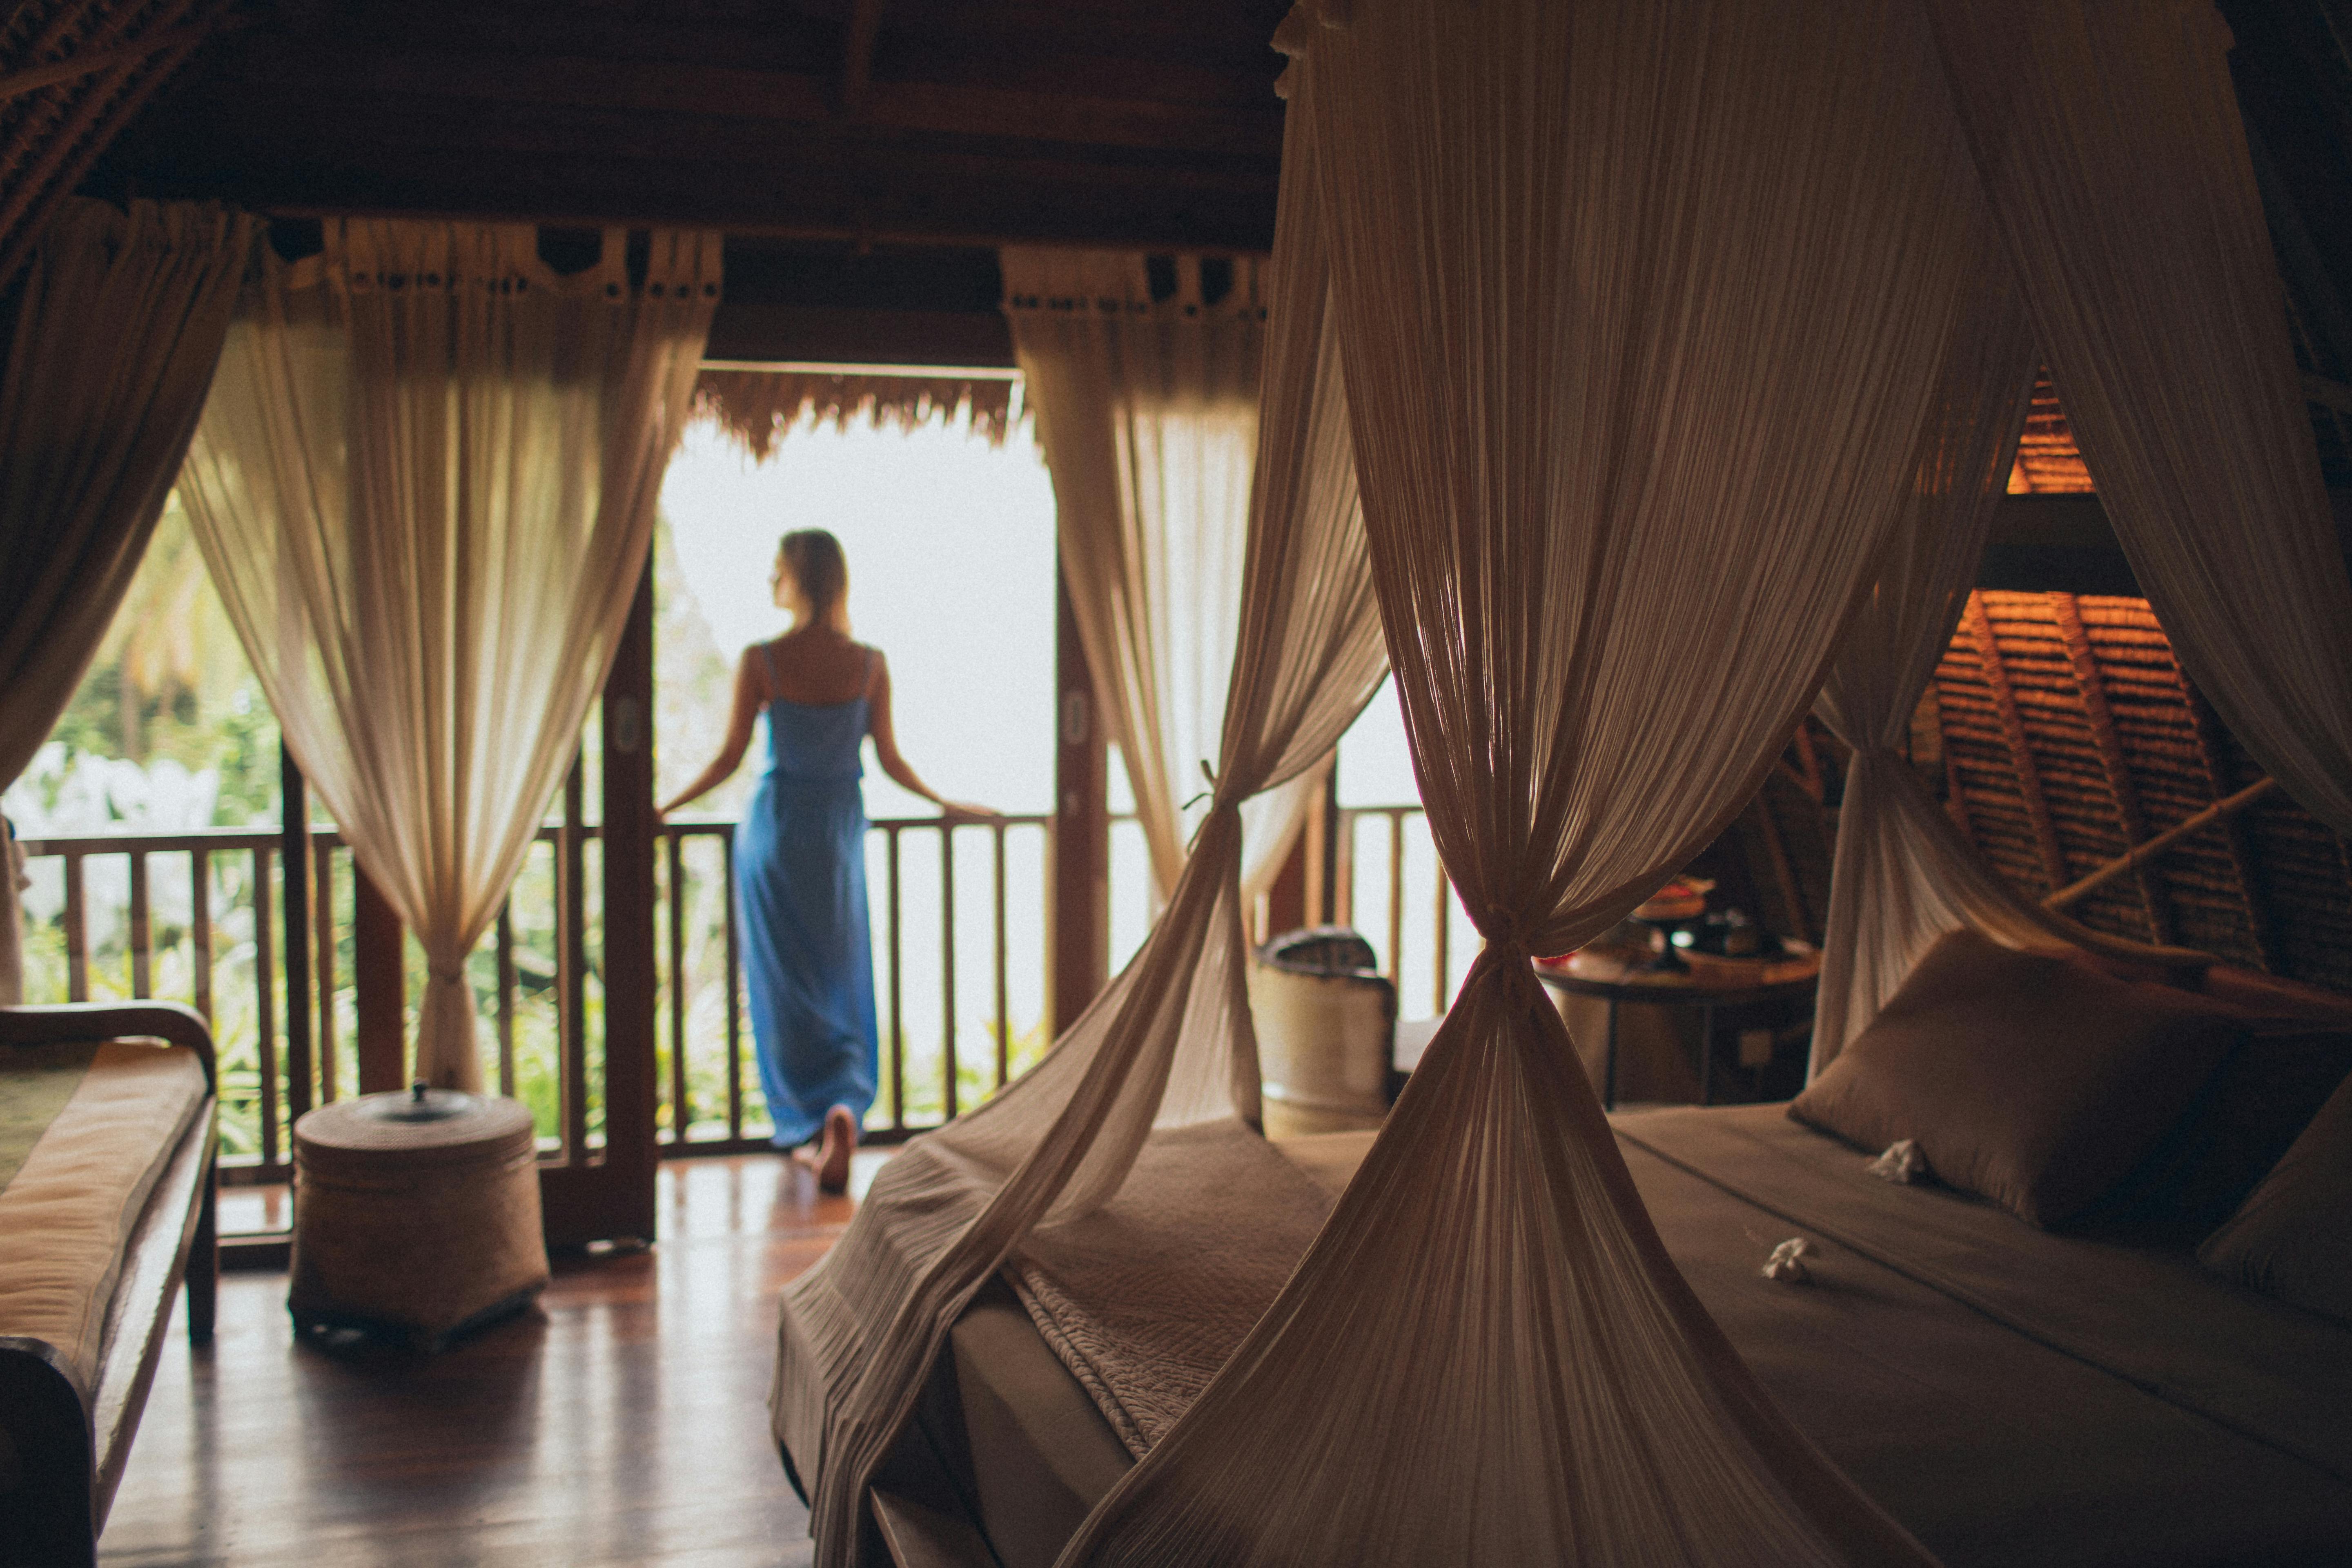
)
(624, 1422)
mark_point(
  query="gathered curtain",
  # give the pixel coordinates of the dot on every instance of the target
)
(115, 326)
(425, 488)
(1640, 309)
(1904, 875)
(1170, 1042)
(1146, 410)
(2131, 243)
(2110, 145)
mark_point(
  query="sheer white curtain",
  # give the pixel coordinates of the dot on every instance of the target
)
(1170, 1042)
(118, 323)
(1640, 309)
(1904, 875)
(1148, 412)
(424, 486)
(2109, 141)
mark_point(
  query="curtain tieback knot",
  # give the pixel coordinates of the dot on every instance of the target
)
(1505, 940)
(445, 976)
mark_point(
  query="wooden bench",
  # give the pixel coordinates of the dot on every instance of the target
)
(62, 1453)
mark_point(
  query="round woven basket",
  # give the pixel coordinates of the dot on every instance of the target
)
(415, 1213)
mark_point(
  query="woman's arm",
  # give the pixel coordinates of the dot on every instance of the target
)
(886, 750)
(749, 692)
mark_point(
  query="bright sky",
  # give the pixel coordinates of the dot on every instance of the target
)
(951, 547)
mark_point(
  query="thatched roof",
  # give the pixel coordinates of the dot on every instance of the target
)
(2048, 461)
(2060, 732)
(73, 73)
(757, 405)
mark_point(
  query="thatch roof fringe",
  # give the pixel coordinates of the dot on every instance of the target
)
(758, 406)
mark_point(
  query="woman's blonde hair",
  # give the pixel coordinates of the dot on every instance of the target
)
(814, 559)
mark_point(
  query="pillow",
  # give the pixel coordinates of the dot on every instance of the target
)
(2293, 1240)
(2035, 1081)
(2265, 1092)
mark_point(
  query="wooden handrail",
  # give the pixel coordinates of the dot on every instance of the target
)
(2139, 855)
(266, 839)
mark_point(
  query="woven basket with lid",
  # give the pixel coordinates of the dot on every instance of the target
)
(415, 1213)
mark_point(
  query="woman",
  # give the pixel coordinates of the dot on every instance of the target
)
(800, 853)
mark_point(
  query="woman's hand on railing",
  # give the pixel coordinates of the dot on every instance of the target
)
(955, 813)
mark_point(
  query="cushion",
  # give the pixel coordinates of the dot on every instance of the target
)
(2265, 1092)
(2293, 1240)
(2034, 1081)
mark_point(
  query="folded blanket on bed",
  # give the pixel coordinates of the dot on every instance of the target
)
(86, 1130)
(1145, 1298)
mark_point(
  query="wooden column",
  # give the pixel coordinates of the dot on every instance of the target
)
(630, 993)
(1079, 896)
(1286, 900)
(379, 988)
(294, 858)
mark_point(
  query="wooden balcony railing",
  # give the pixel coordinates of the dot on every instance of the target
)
(201, 917)
(1408, 910)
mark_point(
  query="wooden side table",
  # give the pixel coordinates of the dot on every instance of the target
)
(1709, 984)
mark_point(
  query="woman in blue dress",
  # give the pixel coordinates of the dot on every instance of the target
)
(800, 853)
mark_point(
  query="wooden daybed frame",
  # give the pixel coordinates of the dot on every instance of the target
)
(69, 1455)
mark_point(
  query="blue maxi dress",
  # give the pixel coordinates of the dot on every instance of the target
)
(808, 957)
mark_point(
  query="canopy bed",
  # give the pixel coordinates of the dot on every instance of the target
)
(1713, 334)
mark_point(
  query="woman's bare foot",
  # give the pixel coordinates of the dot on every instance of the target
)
(833, 1157)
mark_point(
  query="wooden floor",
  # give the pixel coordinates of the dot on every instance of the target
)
(624, 1423)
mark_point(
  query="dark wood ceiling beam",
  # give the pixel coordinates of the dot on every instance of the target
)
(969, 203)
(711, 159)
(858, 53)
(318, 82)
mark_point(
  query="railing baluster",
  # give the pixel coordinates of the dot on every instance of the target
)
(1396, 897)
(681, 1115)
(572, 979)
(1444, 919)
(265, 975)
(200, 927)
(322, 949)
(898, 1033)
(948, 967)
(734, 990)
(506, 999)
(77, 932)
(1003, 1005)
(1343, 911)
(142, 937)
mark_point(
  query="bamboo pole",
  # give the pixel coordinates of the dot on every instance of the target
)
(2140, 854)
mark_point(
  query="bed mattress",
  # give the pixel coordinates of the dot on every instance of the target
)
(86, 1130)
(2015, 1398)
